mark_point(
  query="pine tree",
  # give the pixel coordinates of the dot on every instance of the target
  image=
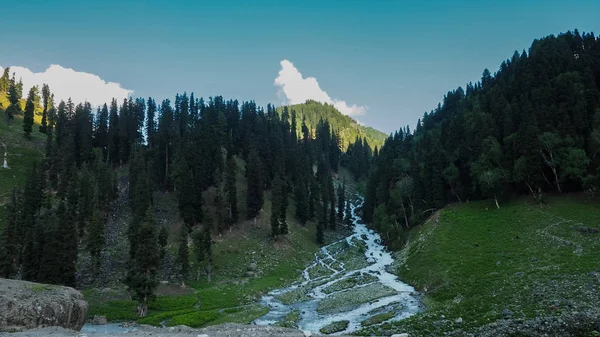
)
(101, 139)
(331, 199)
(183, 254)
(341, 201)
(68, 236)
(142, 275)
(29, 110)
(50, 264)
(5, 80)
(9, 241)
(321, 224)
(283, 195)
(46, 107)
(96, 241)
(207, 245)
(255, 198)
(231, 191)
(276, 204)
(301, 200)
(198, 244)
(113, 134)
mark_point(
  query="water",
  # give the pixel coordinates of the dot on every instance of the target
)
(112, 328)
(403, 300)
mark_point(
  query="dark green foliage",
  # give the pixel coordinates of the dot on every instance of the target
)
(163, 237)
(9, 241)
(28, 114)
(321, 224)
(279, 205)
(95, 241)
(189, 148)
(46, 104)
(231, 189)
(531, 127)
(254, 174)
(331, 201)
(183, 257)
(142, 275)
(341, 194)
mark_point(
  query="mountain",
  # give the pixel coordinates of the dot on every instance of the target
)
(347, 127)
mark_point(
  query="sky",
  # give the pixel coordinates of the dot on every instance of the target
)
(384, 62)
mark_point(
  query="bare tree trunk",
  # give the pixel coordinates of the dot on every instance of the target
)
(454, 193)
(404, 211)
(496, 200)
(556, 179)
(166, 165)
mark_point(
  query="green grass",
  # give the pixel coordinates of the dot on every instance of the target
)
(378, 318)
(473, 261)
(335, 327)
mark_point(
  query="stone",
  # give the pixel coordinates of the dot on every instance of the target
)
(458, 320)
(253, 266)
(400, 335)
(307, 333)
(99, 320)
(28, 305)
(249, 274)
(507, 313)
(519, 274)
(202, 335)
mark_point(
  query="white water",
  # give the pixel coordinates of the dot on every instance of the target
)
(377, 258)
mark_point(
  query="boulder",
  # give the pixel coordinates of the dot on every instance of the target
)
(253, 266)
(99, 320)
(28, 305)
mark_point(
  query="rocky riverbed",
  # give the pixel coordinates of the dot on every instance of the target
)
(348, 286)
(225, 330)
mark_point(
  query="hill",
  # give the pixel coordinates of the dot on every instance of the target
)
(21, 153)
(476, 265)
(244, 258)
(348, 128)
(532, 127)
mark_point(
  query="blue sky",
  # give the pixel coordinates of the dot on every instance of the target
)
(396, 58)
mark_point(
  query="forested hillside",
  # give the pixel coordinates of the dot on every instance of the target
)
(533, 127)
(348, 129)
(97, 163)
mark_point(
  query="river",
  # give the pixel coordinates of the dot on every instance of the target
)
(337, 288)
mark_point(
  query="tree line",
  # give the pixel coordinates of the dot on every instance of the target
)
(136, 148)
(531, 128)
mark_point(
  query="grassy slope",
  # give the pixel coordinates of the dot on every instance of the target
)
(21, 153)
(474, 262)
(230, 297)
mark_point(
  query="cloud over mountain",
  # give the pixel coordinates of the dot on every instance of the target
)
(298, 89)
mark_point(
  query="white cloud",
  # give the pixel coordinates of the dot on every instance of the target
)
(66, 82)
(298, 89)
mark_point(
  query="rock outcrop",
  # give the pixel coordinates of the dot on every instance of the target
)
(27, 305)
